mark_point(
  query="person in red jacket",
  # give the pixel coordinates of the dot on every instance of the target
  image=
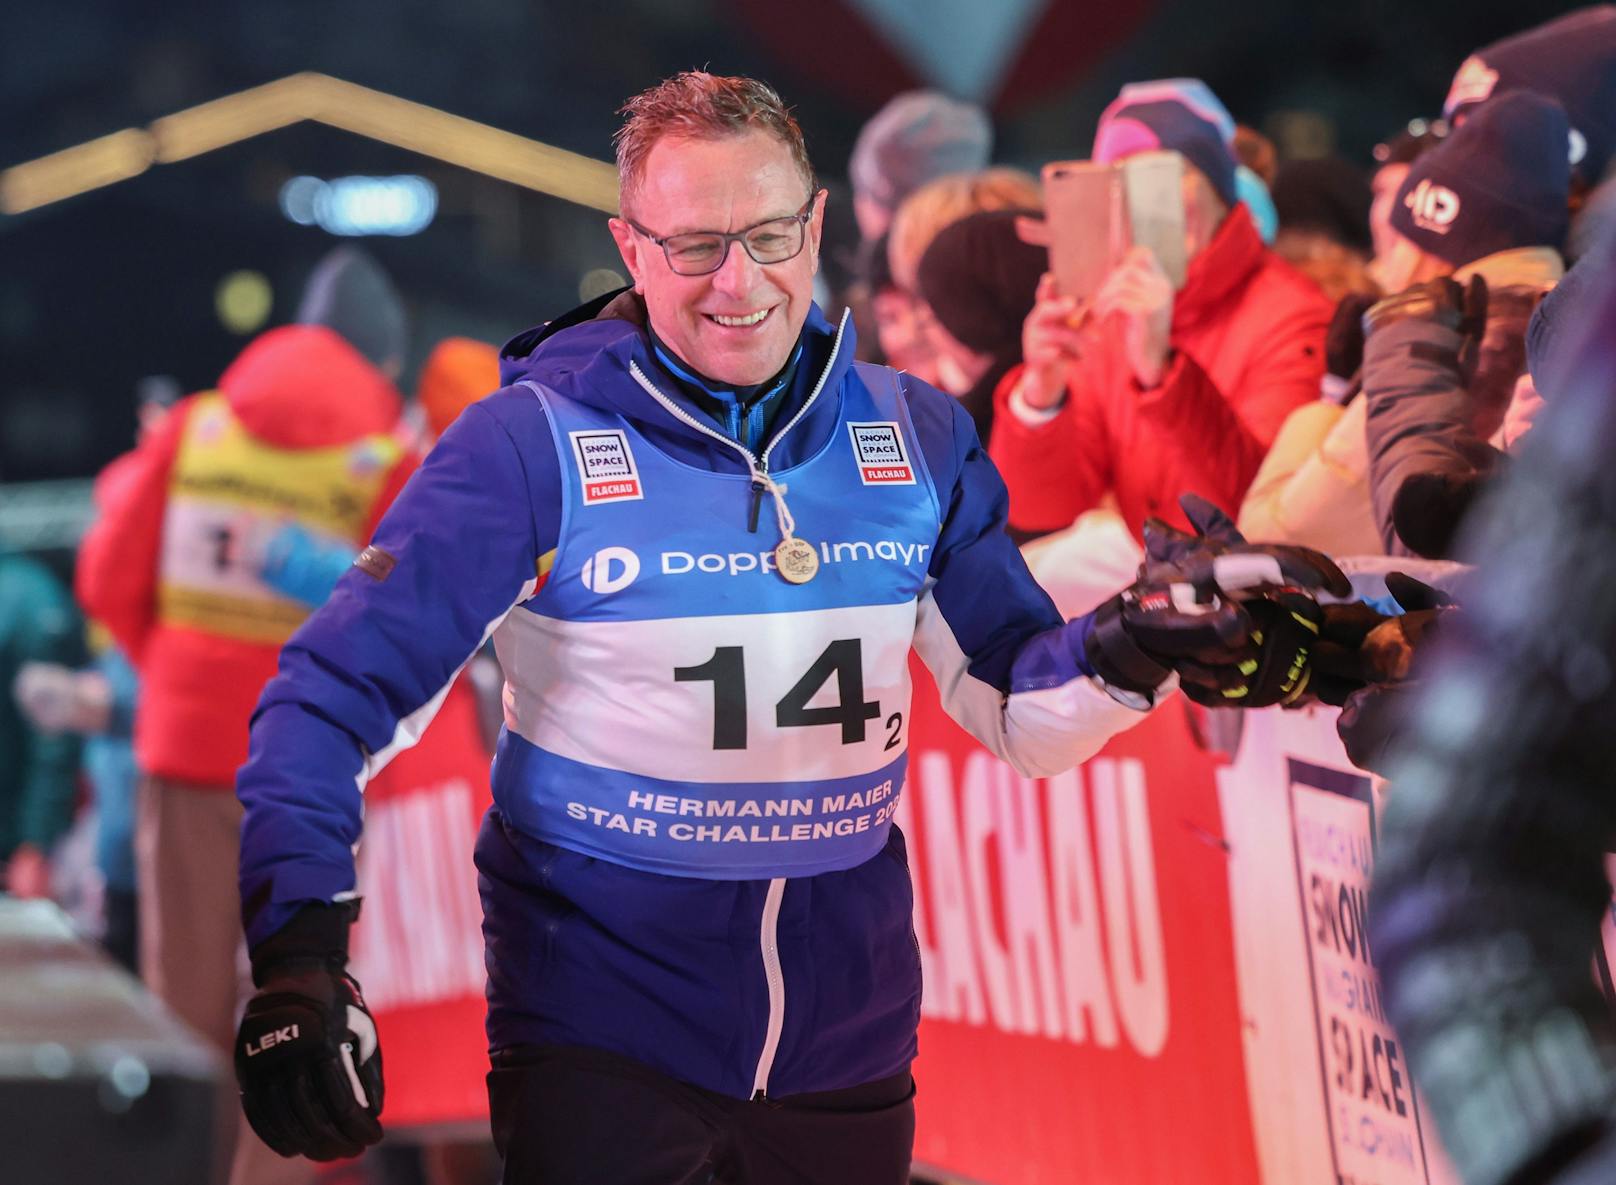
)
(1150, 393)
(300, 430)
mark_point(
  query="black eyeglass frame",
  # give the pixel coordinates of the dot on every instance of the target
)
(727, 238)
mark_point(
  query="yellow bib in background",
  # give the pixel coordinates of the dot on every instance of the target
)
(229, 494)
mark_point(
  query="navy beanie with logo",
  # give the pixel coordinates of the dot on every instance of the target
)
(1502, 180)
(1572, 60)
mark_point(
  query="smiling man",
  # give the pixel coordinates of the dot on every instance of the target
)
(704, 541)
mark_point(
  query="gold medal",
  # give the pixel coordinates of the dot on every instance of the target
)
(796, 559)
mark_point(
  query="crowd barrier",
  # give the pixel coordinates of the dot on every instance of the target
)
(1154, 969)
(1147, 971)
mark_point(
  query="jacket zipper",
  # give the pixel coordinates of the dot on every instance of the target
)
(758, 465)
(769, 942)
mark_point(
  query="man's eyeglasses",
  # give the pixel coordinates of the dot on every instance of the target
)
(700, 252)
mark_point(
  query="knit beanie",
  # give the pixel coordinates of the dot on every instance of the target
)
(1328, 195)
(1178, 114)
(350, 293)
(918, 137)
(1571, 59)
(1502, 180)
(980, 279)
(457, 373)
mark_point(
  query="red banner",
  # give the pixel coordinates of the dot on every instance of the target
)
(417, 948)
(1080, 1020)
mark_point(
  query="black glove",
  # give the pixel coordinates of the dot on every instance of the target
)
(1141, 635)
(1364, 662)
(1218, 560)
(1359, 645)
(1343, 341)
(1190, 612)
(1275, 666)
(307, 1058)
(1443, 301)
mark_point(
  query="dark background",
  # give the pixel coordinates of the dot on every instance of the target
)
(102, 289)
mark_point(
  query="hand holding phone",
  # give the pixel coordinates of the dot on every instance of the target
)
(1139, 292)
(1050, 341)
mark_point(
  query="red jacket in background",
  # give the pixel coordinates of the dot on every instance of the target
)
(297, 388)
(1248, 347)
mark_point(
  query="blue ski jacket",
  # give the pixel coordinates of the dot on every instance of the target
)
(675, 870)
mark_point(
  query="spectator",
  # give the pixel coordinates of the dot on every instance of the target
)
(1314, 485)
(458, 372)
(1572, 60)
(979, 279)
(1188, 387)
(1392, 160)
(1323, 209)
(924, 213)
(916, 138)
(300, 428)
(39, 776)
(946, 200)
(98, 704)
(1488, 207)
(899, 318)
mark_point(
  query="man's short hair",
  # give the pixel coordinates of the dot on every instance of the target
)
(702, 106)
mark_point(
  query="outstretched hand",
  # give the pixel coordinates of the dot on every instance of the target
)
(1237, 621)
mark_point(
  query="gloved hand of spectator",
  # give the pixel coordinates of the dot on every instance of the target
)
(1364, 661)
(1461, 308)
(1140, 293)
(1359, 645)
(307, 1058)
(1233, 619)
(1344, 346)
(1050, 341)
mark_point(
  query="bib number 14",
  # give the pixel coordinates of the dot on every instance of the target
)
(842, 660)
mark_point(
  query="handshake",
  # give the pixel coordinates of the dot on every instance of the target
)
(1240, 625)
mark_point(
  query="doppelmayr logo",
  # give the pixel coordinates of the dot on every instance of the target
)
(612, 569)
(609, 570)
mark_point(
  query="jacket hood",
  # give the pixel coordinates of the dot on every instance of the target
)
(586, 355)
(303, 386)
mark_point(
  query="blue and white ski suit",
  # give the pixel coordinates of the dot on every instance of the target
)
(691, 860)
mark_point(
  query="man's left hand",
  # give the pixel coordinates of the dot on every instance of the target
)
(1139, 291)
(1235, 620)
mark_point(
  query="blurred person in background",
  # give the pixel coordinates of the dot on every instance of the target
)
(1392, 160)
(38, 769)
(1490, 202)
(923, 214)
(1480, 221)
(1571, 60)
(1491, 879)
(978, 280)
(1152, 392)
(946, 200)
(916, 138)
(658, 1007)
(897, 318)
(1323, 210)
(301, 428)
(1313, 485)
(97, 703)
